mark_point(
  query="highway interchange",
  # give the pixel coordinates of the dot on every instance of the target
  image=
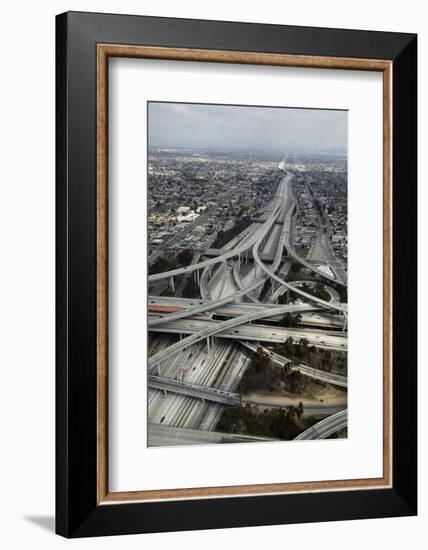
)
(191, 379)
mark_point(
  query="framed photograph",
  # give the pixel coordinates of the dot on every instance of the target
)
(236, 274)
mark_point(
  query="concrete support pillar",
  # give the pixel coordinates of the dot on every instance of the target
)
(158, 369)
(208, 344)
(171, 282)
(197, 276)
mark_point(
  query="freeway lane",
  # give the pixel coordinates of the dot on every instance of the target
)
(272, 244)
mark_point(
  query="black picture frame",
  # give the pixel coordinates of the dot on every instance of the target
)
(77, 511)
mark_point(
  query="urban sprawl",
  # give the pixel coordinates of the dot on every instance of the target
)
(247, 305)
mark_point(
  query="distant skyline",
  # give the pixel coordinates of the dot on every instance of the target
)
(243, 128)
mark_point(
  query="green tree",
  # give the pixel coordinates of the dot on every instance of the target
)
(191, 289)
(185, 257)
(289, 347)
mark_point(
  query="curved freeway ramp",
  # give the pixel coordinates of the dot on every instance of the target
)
(334, 295)
(326, 427)
(289, 286)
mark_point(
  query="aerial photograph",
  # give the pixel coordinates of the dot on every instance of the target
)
(247, 274)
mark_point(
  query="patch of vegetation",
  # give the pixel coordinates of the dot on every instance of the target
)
(167, 262)
(343, 293)
(290, 320)
(297, 272)
(191, 289)
(185, 257)
(261, 375)
(341, 434)
(316, 289)
(164, 263)
(167, 292)
(283, 298)
(302, 250)
(284, 423)
(223, 237)
(324, 359)
(265, 376)
(297, 383)
(265, 290)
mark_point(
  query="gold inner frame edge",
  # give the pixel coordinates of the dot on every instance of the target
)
(104, 52)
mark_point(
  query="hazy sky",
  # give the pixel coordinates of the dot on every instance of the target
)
(255, 128)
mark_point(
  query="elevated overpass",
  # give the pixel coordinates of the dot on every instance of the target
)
(317, 374)
(224, 397)
(163, 307)
(326, 427)
(240, 248)
(237, 329)
(160, 435)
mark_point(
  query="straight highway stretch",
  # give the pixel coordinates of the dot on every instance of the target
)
(160, 435)
(161, 307)
(239, 328)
